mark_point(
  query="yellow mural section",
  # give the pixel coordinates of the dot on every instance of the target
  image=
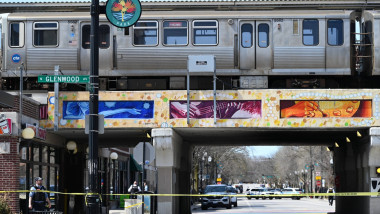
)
(270, 108)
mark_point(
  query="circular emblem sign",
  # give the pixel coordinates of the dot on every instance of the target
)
(16, 58)
(123, 13)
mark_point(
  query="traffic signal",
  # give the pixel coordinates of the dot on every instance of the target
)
(378, 170)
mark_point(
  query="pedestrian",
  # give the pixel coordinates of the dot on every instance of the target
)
(133, 189)
(145, 187)
(38, 200)
(331, 197)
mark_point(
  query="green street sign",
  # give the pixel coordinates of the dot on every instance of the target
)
(64, 79)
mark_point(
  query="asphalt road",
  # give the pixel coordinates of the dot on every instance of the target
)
(275, 206)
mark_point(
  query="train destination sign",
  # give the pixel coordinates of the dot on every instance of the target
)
(123, 13)
(64, 79)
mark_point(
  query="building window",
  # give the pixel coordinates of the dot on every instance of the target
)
(16, 39)
(310, 32)
(335, 32)
(145, 33)
(205, 32)
(175, 33)
(104, 36)
(246, 35)
(45, 34)
(263, 30)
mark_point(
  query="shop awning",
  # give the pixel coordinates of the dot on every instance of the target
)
(6, 100)
(134, 166)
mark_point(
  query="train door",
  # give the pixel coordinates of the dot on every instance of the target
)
(263, 46)
(247, 53)
(105, 47)
(255, 46)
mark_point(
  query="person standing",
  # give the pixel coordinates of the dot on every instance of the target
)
(145, 187)
(38, 200)
(133, 189)
(331, 198)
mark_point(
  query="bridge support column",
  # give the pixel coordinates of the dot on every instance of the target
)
(355, 164)
(173, 163)
(374, 161)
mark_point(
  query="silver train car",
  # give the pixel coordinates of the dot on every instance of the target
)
(253, 49)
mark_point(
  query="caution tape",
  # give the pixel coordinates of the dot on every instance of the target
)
(134, 205)
(343, 194)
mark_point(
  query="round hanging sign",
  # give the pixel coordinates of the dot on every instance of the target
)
(123, 13)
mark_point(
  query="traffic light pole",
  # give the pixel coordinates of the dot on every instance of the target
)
(92, 198)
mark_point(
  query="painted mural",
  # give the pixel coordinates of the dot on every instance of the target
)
(224, 109)
(326, 108)
(77, 110)
(272, 108)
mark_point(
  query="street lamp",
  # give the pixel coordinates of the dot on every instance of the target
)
(113, 157)
(304, 173)
(72, 147)
(209, 161)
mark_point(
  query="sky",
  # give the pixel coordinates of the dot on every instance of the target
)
(266, 151)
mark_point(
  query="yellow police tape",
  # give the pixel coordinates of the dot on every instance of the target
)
(201, 195)
(133, 205)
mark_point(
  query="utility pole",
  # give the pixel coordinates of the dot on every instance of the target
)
(92, 198)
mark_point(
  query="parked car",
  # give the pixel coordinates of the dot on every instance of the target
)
(214, 200)
(263, 192)
(266, 194)
(254, 191)
(232, 191)
(293, 191)
(277, 192)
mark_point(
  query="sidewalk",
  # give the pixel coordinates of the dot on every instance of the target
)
(196, 205)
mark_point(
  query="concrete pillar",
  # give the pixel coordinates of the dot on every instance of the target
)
(373, 162)
(173, 161)
(355, 164)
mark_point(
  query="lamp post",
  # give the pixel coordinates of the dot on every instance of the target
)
(304, 173)
(113, 157)
(209, 161)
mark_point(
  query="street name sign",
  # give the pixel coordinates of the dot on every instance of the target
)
(63, 78)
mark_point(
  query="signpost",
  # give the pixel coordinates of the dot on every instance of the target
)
(63, 78)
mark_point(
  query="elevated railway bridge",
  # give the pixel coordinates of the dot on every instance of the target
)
(244, 117)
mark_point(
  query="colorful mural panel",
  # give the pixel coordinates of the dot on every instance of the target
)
(225, 109)
(325, 108)
(76, 110)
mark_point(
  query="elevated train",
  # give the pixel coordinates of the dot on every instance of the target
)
(253, 49)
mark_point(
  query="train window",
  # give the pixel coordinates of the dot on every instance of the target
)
(310, 32)
(246, 35)
(295, 27)
(263, 31)
(335, 32)
(86, 30)
(175, 33)
(16, 39)
(104, 36)
(145, 33)
(45, 34)
(205, 32)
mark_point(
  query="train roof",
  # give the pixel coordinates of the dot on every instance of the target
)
(190, 14)
(81, 5)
